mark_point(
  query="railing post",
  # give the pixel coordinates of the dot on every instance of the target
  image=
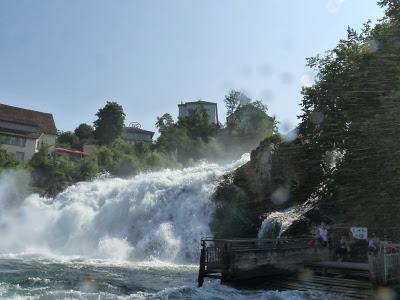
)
(226, 261)
(202, 268)
(384, 267)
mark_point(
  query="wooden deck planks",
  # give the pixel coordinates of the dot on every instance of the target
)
(254, 259)
(341, 265)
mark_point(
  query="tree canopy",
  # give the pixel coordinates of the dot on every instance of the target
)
(84, 131)
(109, 123)
(251, 121)
(350, 116)
(197, 125)
(247, 123)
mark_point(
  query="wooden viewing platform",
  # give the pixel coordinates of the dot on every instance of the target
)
(291, 264)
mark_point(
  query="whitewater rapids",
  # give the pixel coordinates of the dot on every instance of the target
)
(156, 215)
(112, 238)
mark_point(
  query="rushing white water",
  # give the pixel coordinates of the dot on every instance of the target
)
(275, 224)
(159, 215)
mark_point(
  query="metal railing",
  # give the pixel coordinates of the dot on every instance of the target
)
(214, 258)
(215, 249)
(216, 254)
(384, 265)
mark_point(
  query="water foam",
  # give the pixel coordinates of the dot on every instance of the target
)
(159, 215)
(277, 222)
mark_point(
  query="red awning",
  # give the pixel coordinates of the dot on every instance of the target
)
(71, 152)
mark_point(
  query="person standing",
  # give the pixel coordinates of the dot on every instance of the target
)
(343, 249)
(322, 239)
(373, 245)
(323, 233)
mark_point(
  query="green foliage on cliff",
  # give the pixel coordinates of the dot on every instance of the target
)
(251, 122)
(53, 172)
(190, 138)
(247, 123)
(353, 110)
(197, 125)
(122, 159)
(347, 153)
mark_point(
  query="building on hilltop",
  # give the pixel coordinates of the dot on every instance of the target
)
(24, 131)
(134, 133)
(209, 107)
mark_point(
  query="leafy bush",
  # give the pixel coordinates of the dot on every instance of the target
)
(7, 161)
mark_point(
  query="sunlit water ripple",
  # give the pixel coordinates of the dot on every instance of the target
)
(30, 277)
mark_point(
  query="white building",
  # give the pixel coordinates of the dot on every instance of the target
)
(134, 134)
(24, 131)
(209, 107)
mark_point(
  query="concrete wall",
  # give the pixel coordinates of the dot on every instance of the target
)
(32, 146)
(48, 140)
(132, 137)
(29, 150)
(211, 109)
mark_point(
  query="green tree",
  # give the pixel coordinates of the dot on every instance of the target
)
(88, 168)
(232, 101)
(173, 141)
(84, 131)
(110, 123)
(353, 109)
(164, 122)
(126, 165)
(251, 122)
(7, 161)
(190, 138)
(67, 139)
(104, 158)
(392, 8)
(197, 125)
(43, 168)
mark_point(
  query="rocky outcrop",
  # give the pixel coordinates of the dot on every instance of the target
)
(276, 178)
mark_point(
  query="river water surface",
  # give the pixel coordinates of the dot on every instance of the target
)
(28, 277)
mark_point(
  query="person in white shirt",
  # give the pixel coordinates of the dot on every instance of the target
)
(322, 235)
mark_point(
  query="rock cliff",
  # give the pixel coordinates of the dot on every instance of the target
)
(275, 179)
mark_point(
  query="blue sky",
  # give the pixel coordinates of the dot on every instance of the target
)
(69, 57)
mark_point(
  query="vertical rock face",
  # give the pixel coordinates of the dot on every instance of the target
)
(275, 178)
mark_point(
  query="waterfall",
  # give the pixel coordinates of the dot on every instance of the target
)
(276, 223)
(157, 215)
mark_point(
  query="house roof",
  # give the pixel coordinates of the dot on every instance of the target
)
(198, 102)
(138, 130)
(73, 152)
(28, 123)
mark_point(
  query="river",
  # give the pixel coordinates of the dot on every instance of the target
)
(112, 238)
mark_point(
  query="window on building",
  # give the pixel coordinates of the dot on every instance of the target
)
(14, 141)
(19, 155)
